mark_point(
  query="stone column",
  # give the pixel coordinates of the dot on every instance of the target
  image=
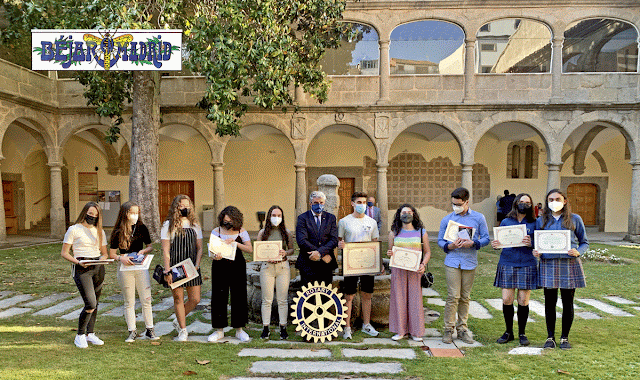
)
(385, 82)
(553, 175)
(556, 69)
(218, 187)
(633, 229)
(383, 196)
(56, 212)
(301, 188)
(469, 71)
(328, 184)
(467, 179)
(3, 222)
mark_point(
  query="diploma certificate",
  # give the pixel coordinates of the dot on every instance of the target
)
(190, 271)
(267, 250)
(456, 230)
(144, 266)
(361, 258)
(95, 262)
(219, 246)
(510, 236)
(405, 258)
(552, 244)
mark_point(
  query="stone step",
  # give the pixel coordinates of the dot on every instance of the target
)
(277, 367)
(285, 353)
(429, 292)
(44, 301)
(496, 303)
(620, 300)
(8, 302)
(605, 307)
(538, 308)
(61, 307)
(5, 293)
(389, 353)
(526, 351)
(76, 313)
(478, 311)
(13, 311)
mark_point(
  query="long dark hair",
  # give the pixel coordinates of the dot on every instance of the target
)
(268, 227)
(237, 219)
(396, 225)
(513, 214)
(567, 222)
(123, 229)
(98, 224)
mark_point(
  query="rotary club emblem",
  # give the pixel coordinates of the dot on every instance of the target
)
(319, 312)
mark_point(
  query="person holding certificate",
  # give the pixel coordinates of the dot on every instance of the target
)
(275, 273)
(89, 242)
(461, 262)
(230, 276)
(517, 268)
(406, 315)
(181, 239)
(562, 272)
(358, 227)
(130, 235)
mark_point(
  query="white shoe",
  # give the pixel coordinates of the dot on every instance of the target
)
(243, 336)
(417, 338)
(216, 336)
(347, 333)
(132, 337)
(368, 329)
(93, 339)
(81, 341)
(182, 336)
(397, 337)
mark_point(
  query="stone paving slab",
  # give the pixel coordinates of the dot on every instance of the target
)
(436, 301)
(72, 315)
(13, 311)
(203, 339)
(389, 353)
(587, 315)
(48, 300)
(605, 307)
(432, 332)
(61, 307)
(165, 304)
(8, 302)
(559, 304)
(115, 297)
(284, 353)
(435, 343)
(163, 328)
(429, 292)
(636, 308)
(619, 300)
(198, 327)
(5, 293)
(315, 378)
(478, 311)
(323, 366)
(526, 351)
(538, 308)
(496, 303)
(365, 341)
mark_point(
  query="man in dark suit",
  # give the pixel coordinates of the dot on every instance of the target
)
(317, 237)
(373, 211)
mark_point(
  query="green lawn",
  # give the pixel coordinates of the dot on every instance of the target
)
(42, 347)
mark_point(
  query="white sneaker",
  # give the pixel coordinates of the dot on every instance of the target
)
(347, 333)
(182, 336)
(243, 336)
(417, 338)
(132, 337)
(93, 339)
(397, 337)
(81, 341)
(368, 329)
(216, 336)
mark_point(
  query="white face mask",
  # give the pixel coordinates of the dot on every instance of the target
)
(275, 220)
(458, 209)
(556, 206)
(133, 218)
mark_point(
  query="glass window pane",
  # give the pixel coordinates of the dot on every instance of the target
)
(600, 45)
(513, 46)
(427, 47)
(357, 55)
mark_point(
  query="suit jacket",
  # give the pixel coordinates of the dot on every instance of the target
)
(376, 216)
(309, 239)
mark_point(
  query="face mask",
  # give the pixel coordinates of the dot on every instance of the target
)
(91, 220)
(133, 218)
(523, 208)
(317, 208)
(275, 221)
(360, 208)
(458, 209)
(227, 225)
(406, 218)
(370, 204)
(556, 206)
(184, 211)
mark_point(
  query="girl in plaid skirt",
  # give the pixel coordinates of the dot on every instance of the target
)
(517, 269)
(564, 273)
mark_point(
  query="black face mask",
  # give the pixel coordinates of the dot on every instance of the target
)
(523, 208)
(227, 225)
(184, 211)
(91, 220)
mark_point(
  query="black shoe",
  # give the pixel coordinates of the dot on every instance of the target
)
(265, 333)
(506, 337)
(283, 333)
(523, 340)
(550, 343)
(564, 344)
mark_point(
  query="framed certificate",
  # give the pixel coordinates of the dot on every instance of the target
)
(456, 230)
(144, 266)
(510, 236)
(405, 258)
(552, 244)
(184, 269)
(267, 250)
(361, 258)
(219, 246)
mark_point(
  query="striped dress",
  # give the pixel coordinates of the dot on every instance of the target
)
(183, 246)
(406, 312)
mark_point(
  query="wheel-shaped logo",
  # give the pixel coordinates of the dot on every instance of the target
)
(319, 312)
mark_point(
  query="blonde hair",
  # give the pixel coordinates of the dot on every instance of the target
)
(175, 218)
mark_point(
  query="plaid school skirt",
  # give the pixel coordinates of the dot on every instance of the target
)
(561, 273)
(524, 278)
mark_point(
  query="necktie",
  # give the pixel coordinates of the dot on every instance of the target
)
(371, 212)
(318, 222)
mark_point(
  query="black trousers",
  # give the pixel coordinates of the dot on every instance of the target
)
(229, 278)
(89, 282)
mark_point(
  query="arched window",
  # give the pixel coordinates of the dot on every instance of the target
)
(522, 160)
(427, 47)
(358, 53)
(600, 45)
(513, 46)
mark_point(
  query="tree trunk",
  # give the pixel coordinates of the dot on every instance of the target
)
(145, 126)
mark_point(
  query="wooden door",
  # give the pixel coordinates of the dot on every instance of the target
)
(345, 191)
(583, 199)
(167, 190)
(11, 219)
